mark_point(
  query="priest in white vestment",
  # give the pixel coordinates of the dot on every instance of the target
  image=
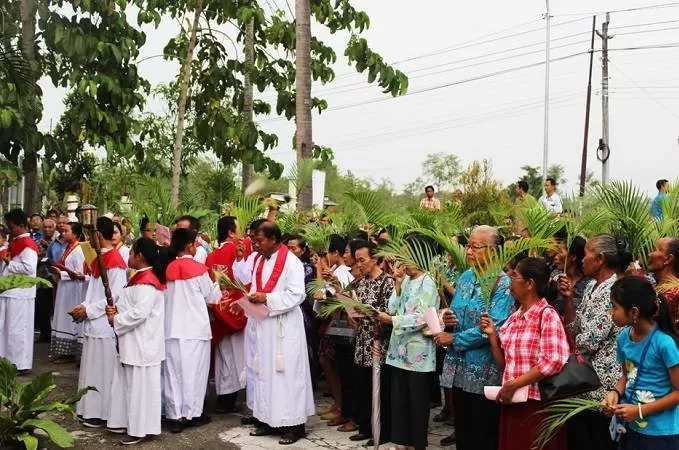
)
(70, 273)
(279, 390)
(139, 322)
(17, 306)
(99, 356)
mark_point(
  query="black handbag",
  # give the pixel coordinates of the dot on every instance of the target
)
(340, 333)
(576, 377)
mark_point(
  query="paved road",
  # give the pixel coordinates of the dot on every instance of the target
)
(224, 433)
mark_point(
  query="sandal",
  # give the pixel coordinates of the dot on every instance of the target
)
(359, 437)
(348, 427)
(291, 436)
(262, 431)
(339, 420)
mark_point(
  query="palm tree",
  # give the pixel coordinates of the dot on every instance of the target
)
(303, 136)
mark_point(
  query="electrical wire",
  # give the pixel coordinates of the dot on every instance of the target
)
(639, 8)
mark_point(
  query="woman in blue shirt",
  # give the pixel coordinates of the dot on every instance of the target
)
(469, 365)
(646, 398)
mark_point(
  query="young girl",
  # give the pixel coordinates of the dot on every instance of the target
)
(138, 321)
(647, 395)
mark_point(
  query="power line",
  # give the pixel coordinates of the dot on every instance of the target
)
(645, 91)
(640, 8)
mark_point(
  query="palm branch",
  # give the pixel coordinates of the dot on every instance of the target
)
(414, 254)
(557, 414)
(226, 282)
(317, 237)
(370, 209)
(300, 174)
(8, 282)
(540, 222)
(245, 210)
(14, 68)
(497, 259)
(291, 222)
(628, 209)
(456, 251)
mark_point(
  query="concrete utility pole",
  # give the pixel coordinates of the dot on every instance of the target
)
(545, 152)
(604, 150)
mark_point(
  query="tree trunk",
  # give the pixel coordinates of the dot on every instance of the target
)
(181, 110)
(28, 10)
(303, 135)
(248, 170)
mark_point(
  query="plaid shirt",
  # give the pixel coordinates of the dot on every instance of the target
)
(432, 204)
(526, 345)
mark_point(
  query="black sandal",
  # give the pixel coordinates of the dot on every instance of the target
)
(291, 436)
(262, 431)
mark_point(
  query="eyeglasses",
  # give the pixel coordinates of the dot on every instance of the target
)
(476, 246)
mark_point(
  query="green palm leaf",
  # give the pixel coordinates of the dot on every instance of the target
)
(245, 210)
(317, 237)
(557, 413)
(541, 223)
(370, 209)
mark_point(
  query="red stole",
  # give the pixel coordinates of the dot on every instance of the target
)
(275, 274)
(71, 246)
(184, 269)
(226, 322)
(21, 243)
(112, 260)
(146, 277)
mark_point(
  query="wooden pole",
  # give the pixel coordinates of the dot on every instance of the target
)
(583, 163)
(100, 262)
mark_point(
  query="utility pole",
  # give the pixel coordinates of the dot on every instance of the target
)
(248, 170)
(545, 152)
(604, 150)
(583, 163)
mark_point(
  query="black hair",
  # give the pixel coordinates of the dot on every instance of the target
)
(306, 255)
(561, 234)
(270, 231)
(551, 181)
(577, 250)
(17, 217)
(462, 239)
(673, 249)
(625, 256)
(637, 292)
(535, 269)
(194, 223)
(157, 257)
(143, 222)
(36, 215)
(181, 238)
(225, 225)
(77, 230)
(105, 227)
(661, 183)
(415, 239)
(255, 224)
(119, 227)
(426, 188)
(52, 212)
(361, 234)
(615, 251)
(337, 244)
(523, 185)
(357, 244)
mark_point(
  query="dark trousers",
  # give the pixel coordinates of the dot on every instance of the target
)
(477, 421)
(589, 429)
(344, 361)
(364, 401)
(44, 308)
(637, 441)
(409, 407)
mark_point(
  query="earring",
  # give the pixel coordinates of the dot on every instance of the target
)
(634, 321)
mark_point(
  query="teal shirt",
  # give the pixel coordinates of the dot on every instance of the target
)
(409, 348)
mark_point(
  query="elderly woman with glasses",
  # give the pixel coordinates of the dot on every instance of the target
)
(469, 364)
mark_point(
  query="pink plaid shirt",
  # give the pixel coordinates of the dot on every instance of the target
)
(527, 346)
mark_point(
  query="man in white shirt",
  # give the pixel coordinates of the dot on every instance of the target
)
(202, 247)
(550, 199)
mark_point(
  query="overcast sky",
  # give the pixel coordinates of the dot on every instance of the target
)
(499, 117)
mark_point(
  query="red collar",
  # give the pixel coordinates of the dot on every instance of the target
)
(275, 274)
(71, 246)
(20, 243)
(146, 276)
(184, 269)
(112, 260)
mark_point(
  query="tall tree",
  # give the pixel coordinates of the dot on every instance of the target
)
(248, 102)
(303, 136)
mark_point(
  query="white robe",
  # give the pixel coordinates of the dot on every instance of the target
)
(17, 311)
(99, 346)
(279, 391)
(187, 345)
(230, 364)
(136, 391)
(65, 331)
(243, 269)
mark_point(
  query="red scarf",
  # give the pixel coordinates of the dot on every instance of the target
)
(21, 243)
(146, 277)
(112, 260)
(71, 246)
(184, 269)
(275, 274)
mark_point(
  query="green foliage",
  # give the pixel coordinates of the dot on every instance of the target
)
(480, 191)
(245, 210)
(8, 282)
(23, 403)
(557, 413)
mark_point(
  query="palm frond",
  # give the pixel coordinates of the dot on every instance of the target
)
(415, 254)
(15, 68)
(291, 222)
(540, 222)
(456, 251)
(370, 209)
(332, 305)
(557, 413)
(226, 282)
(317, 236)
(245, 210)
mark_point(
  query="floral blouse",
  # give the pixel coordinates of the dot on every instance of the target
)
(596, 335)
(469, 364)
(374, 292)
(409, 348)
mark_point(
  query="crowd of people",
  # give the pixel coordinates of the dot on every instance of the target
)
(166, 321)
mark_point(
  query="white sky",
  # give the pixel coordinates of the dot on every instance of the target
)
(500, 117)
